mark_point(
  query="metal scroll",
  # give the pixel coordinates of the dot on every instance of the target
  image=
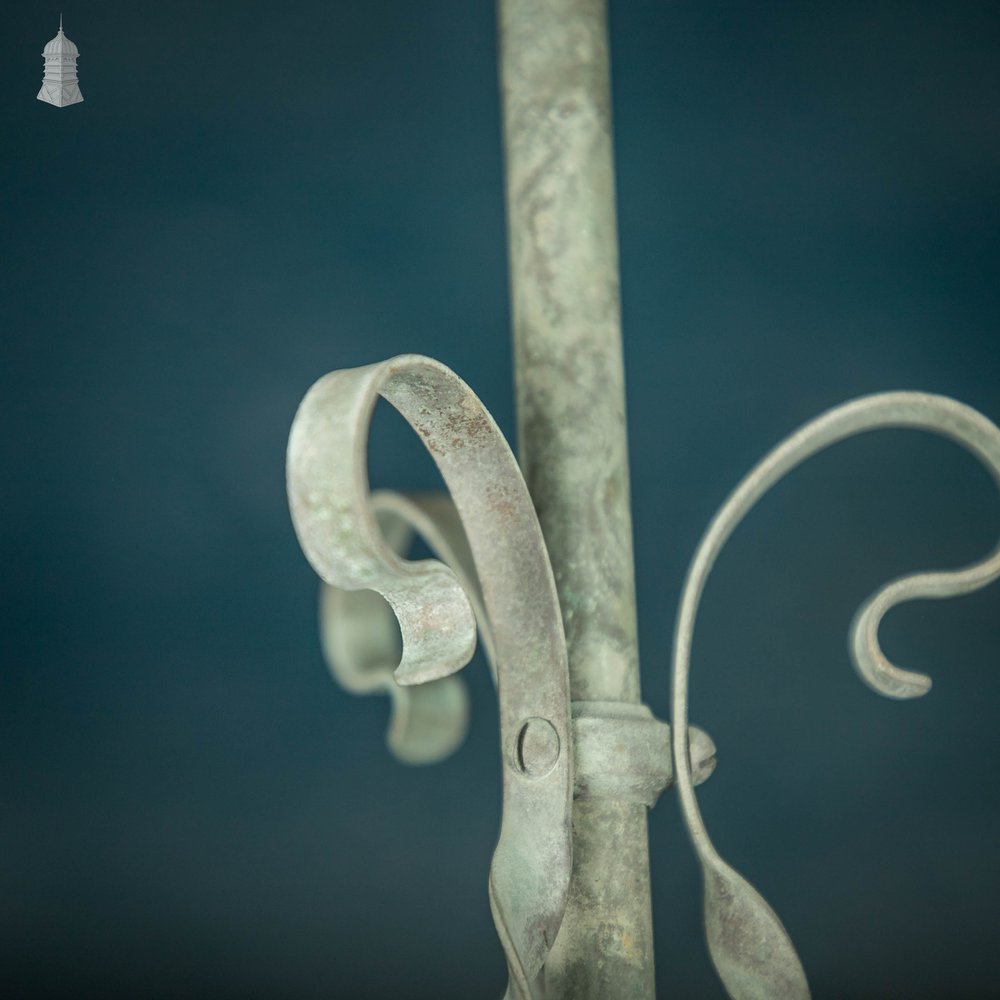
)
(339, 533)
(751, 950)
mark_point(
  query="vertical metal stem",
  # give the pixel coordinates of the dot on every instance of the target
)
(571, 423)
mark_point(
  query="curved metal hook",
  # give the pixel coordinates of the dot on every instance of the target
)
(328, 496)
(750, 948)
(361, 643)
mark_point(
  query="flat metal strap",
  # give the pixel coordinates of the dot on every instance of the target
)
(339, 533)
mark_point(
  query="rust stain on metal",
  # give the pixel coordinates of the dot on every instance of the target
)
(339, 533)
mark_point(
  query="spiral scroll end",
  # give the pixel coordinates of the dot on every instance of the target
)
(873, 666)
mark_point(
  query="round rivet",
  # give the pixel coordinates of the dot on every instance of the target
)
(537, 747)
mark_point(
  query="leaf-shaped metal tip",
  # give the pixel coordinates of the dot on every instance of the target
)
(751, 949)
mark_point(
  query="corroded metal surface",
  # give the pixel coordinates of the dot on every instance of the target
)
(751, 950)
(328, 496)
(572, 441)
(567, 330)
(361, 641)
(623, 752)
(620, 750)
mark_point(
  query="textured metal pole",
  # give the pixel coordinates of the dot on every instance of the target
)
(571, 423)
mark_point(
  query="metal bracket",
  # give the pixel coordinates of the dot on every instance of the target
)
(622, 752)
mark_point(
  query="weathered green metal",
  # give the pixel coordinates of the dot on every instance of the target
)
(361, 642)
(572, 442)
(750, 947)
(338, 531)
(569, 884)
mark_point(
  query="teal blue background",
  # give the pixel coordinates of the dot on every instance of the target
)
(254, 194)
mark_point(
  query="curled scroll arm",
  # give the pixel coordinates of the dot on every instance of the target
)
(749, 946)
(360, 638)
(339, 532)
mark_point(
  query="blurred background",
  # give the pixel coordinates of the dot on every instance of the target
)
(253, 194)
